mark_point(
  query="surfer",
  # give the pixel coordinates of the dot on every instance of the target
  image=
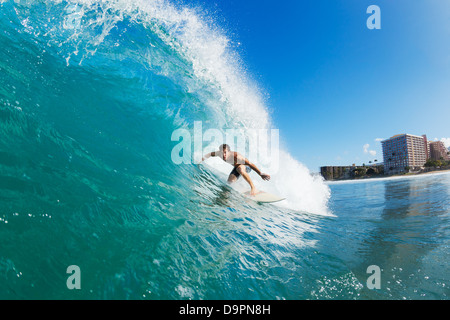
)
(242, 166)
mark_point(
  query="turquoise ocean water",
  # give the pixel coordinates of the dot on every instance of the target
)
(90, 94)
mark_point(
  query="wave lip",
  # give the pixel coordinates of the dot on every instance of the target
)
(155, 41)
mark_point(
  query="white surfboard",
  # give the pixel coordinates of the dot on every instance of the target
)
(262, 196)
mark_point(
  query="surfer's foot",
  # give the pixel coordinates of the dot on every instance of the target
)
(253, 192)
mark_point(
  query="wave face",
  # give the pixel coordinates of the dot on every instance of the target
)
(90, 94)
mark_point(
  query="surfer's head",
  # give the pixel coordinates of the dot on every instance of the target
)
(225, 149)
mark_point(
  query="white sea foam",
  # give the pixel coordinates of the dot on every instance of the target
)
(387, 178)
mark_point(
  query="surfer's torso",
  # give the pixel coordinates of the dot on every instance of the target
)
(232, 157)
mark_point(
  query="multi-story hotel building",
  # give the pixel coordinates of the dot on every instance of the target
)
(438, 151)
(404, 150)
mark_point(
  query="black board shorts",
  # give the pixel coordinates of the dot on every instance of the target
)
(237, 174)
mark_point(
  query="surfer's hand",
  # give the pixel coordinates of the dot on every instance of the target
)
(265, 176)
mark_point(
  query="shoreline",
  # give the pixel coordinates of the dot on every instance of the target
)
(394, 176)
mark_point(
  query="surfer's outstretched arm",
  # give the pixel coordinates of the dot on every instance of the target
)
(254, 168)
(211, 154)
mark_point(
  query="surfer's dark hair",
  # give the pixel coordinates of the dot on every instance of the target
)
(224, 146)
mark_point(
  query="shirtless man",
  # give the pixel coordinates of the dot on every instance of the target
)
(241, 166)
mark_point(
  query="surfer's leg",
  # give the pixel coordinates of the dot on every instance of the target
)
(242, 170)
(232, 178)
(234, 175)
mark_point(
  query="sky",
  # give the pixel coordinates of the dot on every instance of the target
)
(336, 88)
